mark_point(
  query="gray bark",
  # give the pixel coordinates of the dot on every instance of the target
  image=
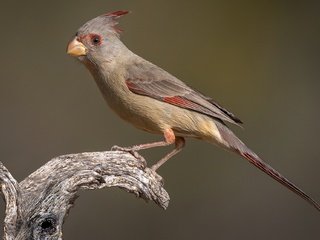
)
(37, 207)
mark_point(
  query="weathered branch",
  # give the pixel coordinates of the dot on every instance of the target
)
(37, 206)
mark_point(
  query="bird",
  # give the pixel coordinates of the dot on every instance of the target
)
(153, 100)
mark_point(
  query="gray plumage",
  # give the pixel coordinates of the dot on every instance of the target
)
(154, 100)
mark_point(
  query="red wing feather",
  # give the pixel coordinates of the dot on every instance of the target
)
(185, 103)
(178, 94)
(181, 102)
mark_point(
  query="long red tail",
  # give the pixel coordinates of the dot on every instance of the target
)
(256, 161)
(232, 142)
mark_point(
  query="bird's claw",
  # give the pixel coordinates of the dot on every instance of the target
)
(132, 151)
(118, 148)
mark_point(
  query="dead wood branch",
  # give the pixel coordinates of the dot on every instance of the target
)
(37, 207)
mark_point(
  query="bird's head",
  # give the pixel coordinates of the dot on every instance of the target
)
(98, 39)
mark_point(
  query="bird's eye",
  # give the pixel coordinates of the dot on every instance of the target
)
(95, 40)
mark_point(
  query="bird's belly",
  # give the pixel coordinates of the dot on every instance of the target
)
(159, 116)
(154, 116)
(139, 113)
(186, 123)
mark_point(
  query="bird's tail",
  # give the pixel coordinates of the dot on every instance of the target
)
(233, 143)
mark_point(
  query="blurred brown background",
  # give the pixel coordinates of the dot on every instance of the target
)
(260, 59)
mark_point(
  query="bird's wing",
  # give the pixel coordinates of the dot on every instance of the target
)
(156, 83)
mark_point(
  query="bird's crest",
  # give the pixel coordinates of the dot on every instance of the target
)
(105, 23)
(114, 16)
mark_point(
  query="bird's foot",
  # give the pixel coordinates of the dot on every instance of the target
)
(132, 151)
(123, 149)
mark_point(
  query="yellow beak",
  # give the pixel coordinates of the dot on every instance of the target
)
(76, 48)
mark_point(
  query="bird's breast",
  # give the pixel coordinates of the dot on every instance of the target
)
(133, 108)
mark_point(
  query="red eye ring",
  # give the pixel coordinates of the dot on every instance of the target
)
(95, 39)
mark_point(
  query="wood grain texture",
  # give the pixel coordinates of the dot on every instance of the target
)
(37, 207)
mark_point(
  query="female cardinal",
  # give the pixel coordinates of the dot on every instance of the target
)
(155, 101)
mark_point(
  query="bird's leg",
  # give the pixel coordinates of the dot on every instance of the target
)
(139, 147)
(132, 151)
(169, 137)
(179, 142)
